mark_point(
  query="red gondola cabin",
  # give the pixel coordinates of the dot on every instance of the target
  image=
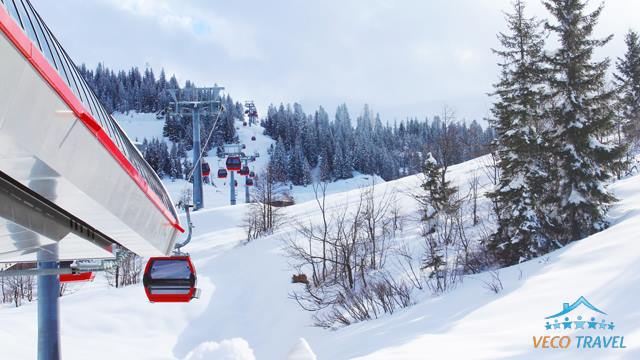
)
(206, 169)
(234, 163)
(249, 182)
(222, 173)
(80, 277)
(170, 279)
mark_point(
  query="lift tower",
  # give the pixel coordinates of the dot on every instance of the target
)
(235, 150)
(196, 102)
(251, 112)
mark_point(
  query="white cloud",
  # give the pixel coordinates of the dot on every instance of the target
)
(200, 23)
(405, 58)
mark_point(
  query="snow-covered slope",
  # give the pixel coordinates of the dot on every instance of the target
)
(139, 126)
(245, 310)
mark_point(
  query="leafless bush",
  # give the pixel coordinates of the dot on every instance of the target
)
(410, 265)
(263, 217)
(473, 196)
(345, 254)
(494, 284)
(127, 270)
(17, 289)
(382, 295)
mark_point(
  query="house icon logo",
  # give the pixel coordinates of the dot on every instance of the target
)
(581, 315)
(580, 326)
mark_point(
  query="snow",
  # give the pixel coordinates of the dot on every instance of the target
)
(216, 193)
(140, 125)
(233, 349)
(301, 351)
(431, 159)
(245, 311)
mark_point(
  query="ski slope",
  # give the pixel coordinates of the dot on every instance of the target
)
(245, 313)
(139, 126)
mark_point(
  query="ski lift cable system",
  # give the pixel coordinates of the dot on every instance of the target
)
(166, 279)
(205, 143)
(173, 278)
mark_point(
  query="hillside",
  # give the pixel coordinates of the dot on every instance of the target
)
(145, 125)
(245, 308)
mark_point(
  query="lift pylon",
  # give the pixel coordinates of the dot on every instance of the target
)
(196, 102)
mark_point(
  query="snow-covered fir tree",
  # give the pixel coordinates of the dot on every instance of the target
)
(628, 79)
(520, 141)
(437, 193)
(440, 207)
(278, 164)
(582, 117)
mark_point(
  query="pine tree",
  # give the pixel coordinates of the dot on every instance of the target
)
(582, 117)
(306, 173)
(341, 166)
(628, 79)
(324, 166)
(517, 113)
(438, 192)
(278, 166)
(296, 164)
(439, 208)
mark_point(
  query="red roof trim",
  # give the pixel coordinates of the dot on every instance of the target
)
(44, 68)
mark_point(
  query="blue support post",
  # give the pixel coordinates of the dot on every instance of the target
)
(232, 189)
(48, 306)
(198, 200)
(246, 187)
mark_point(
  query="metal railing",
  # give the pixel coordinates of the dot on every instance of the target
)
(30, 21)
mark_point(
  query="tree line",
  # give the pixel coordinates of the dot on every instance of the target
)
(133, 90)
(312, 144)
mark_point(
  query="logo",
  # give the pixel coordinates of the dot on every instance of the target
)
(588, 328)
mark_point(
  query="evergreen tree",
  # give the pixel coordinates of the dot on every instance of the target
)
(341, 167)
(438, 193)
(296, 165)
(628, 79)
(278, 163)
(520, 141)
(324, 166)
(582, 117)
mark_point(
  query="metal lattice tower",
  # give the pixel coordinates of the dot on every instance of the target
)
(195, 102)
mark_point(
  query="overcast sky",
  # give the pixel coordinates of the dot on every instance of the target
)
(403, 57)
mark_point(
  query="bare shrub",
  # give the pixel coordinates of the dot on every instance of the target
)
(127, 269)
(263, 216)
(345, 254)
(495, 283)
(17, 289)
